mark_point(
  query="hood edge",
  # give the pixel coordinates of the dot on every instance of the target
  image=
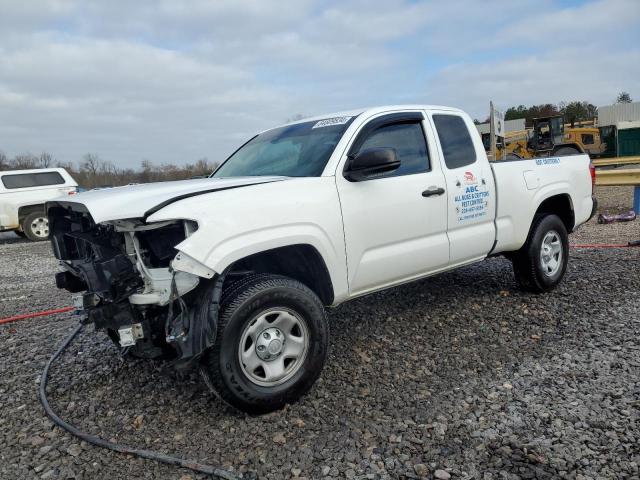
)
(177, 198)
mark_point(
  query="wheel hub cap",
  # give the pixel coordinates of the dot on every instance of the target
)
(40, 227)
(551, 253)
(269, 344)
(273, 346)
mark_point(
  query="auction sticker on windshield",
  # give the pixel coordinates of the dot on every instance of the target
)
(327, 122)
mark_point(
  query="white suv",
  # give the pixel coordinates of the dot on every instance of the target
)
(23, 194)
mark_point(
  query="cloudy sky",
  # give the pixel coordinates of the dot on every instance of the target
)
(174, 81)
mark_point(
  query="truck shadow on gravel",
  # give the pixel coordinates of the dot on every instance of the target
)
(7, 238)
(422, 373)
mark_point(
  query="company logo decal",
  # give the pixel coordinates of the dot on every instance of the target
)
(470, 178)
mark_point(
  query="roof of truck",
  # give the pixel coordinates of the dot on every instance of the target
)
(369, 111)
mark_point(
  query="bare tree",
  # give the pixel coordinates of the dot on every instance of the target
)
(203, 167)
(91, 163)
(24, 161)
(4, 162)
(46, 160)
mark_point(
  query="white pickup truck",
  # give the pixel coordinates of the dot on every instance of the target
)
(233, 273)
(23, 194)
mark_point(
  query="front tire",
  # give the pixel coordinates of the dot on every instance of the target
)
(36, 227)
(271, 344)
(541, 263)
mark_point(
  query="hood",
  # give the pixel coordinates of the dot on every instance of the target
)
(138, 201)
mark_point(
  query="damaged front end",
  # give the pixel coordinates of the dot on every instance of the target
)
(136, 286)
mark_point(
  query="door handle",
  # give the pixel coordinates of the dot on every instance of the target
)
(433, 191)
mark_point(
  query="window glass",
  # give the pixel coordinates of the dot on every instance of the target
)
(25, 180)
(409, 143)
(298, 150)
(587, 138)
(457, 146)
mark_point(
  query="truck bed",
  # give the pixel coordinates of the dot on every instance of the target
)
(522, 185)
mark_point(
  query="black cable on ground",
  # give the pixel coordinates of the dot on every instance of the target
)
(148, 454)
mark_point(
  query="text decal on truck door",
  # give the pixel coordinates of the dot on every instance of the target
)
(473, 202)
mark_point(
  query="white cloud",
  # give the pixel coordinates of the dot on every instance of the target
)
(561, 75)
(175, 81)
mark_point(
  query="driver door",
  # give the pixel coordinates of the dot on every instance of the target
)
(395, 225)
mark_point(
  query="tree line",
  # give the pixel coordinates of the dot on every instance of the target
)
(94, 172)
(573, 112)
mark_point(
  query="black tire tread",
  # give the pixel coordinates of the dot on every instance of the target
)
(26, 226)
(525, 260)
(231, 290)
(235, 296)
(566, 151)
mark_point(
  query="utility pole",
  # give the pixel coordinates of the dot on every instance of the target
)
(492, 132)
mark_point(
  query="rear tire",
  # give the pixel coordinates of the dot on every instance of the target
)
(541, 263)
(36, 226)
(566, 151)
(271, 344)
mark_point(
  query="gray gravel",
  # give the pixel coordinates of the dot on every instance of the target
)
(457, 376)
(611, 200)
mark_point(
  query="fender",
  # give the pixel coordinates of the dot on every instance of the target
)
(546, 192)
(218, 256)
(19, 206)
(236, 223)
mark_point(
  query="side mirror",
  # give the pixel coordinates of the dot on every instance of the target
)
(371, 163)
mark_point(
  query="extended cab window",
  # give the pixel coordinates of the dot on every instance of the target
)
(457, 146)
(25, 180)
(409, 143)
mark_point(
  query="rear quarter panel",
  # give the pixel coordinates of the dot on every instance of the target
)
(523, 185)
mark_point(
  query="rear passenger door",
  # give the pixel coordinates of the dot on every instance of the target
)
(470, 187)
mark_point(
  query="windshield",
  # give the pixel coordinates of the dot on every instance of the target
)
(299, 150)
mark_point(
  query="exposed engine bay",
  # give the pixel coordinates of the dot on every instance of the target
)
(130, 286)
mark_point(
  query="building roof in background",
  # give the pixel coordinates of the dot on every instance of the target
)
(618, 112)
(509, 126)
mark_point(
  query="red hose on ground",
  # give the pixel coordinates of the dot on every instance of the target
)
(36, 314)
(635, 243)
(603, 245)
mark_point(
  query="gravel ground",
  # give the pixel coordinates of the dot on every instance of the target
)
(459, 376)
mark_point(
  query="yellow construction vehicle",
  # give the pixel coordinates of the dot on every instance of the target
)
(550, 137)
(587, 137)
